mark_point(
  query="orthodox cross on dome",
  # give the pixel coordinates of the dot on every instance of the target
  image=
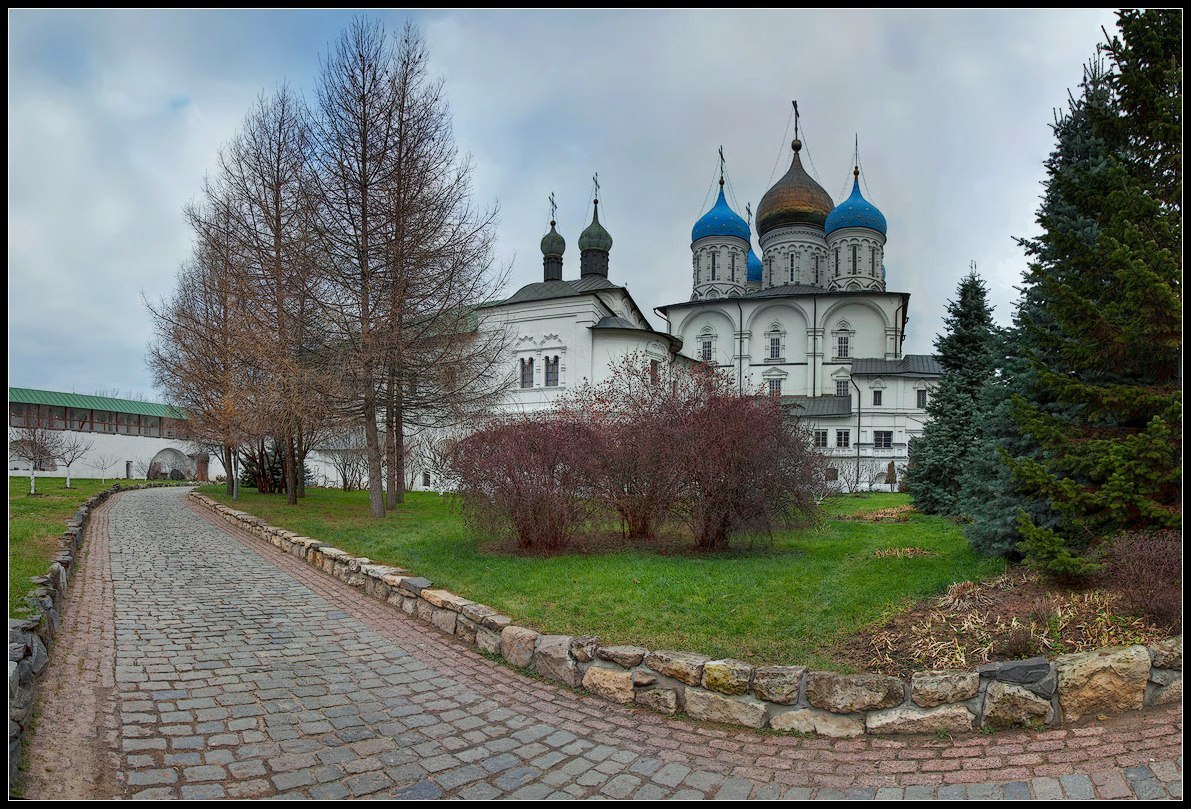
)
(795, 103)
(553, 209)
(596, 182)
(721, 166)
(748, 208)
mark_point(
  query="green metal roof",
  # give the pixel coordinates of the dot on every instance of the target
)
(78, 400)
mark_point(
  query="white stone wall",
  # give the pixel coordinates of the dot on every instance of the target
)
(125, 448)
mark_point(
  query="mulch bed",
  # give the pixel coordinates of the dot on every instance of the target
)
(1013, 616)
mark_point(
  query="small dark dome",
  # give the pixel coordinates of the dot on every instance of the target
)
(553, 244)
(594, 236)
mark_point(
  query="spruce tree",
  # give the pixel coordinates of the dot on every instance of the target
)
(940, 457)
(1100, 323)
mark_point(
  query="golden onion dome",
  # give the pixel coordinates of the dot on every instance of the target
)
(795, 199)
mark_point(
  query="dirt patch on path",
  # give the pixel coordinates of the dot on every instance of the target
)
(73, 752)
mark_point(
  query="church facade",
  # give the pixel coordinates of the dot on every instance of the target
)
(811, 320)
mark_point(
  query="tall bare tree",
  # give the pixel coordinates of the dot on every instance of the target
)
(72, 448)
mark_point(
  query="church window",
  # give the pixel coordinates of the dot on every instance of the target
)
(841, 387)
(842, 346)
(705, 351)
(551, 372)
(775, 348)
(775, 387)
(654, 371)
(820, 438)
(713, 266)
(733, 266)
(425, 480)
(876, 398)
(872, 260)
(527, 373)
(921, 399)
(837, 262)
(842, 438)
(855, 264)
(883, 439)
(816, 270)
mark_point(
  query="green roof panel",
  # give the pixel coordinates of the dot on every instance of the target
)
(83, 402)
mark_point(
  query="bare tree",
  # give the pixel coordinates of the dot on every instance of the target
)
(103, 462)
(37, 446)
(441, 369)
(348, 454)
(855, 473)
(72, 448)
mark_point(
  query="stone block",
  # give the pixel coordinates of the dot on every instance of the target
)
(1168, 654)
(497, 621)
(850, 693)
(779, 684)
(1016, 671)
(908, 719)
(727, 676)
(682, 666)
(444, 620)
(477, 612)
(465, 630)
(1107, 680)
(712, 707)
(583, 647)
(1010, 704)
(664, 700)
(517, 645)
(627, 656)
(1171, 694)
(424, 610)
(823, 723)
(610, 683)
(931, 688)
(488, 640)
(409, 605)
(552, 659)
(445, 599)
(414, 585)
(1164, 676)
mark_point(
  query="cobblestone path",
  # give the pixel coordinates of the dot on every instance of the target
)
(241, 672)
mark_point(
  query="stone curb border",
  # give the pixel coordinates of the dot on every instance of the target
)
(30, 639)
(1033, 693)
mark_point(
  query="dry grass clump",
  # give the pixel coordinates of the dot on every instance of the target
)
(902, 553)
(894, 514)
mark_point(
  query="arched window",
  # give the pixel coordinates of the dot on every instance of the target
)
(855, 262)
(872, 260)
(733, 256)
(791, 268)
(527, 373)
(707, 344)
(837, 262)
(713, 255)
(775, 343)
(551, 372)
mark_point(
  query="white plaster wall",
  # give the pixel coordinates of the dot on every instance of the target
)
(124, 447)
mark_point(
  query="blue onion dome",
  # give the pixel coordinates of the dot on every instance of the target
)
(795, 199)
(594, 236)
(553, 244)
(720, 221)
(855, 212)
(755, 270)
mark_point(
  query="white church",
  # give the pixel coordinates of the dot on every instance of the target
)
(811, 320)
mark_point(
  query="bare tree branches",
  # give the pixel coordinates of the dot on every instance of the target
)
(72, 448)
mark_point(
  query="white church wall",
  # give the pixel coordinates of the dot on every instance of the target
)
(123, 449)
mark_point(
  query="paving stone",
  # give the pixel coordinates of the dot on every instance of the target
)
(1018, 791)
(1047, 789)
(1077, 787)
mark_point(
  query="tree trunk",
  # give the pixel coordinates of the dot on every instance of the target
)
(376, 494)
(68, 476)
(32, 478)
(303, 450)
(392, 472)
(289, 464)
(228, 464)
(235, 475)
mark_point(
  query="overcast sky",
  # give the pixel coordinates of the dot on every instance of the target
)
(114, 117)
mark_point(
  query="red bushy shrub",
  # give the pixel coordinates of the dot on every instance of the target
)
(1146, 567)
(526, 477)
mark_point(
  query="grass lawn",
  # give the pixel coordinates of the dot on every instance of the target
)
(786, 603)
(34, 525)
